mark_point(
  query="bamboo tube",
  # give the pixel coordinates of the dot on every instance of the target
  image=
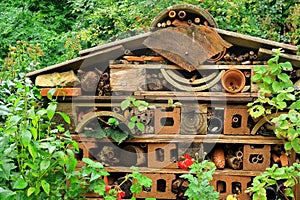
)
(181, 14)
(197, 20)
(172, 14)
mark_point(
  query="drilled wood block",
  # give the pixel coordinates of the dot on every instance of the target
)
(162, 155)
(229, 184)
(127, 79)
(190, 148)
(161, 187)
(236, 120)
(256, 157)
(167, 121)
(193, 119)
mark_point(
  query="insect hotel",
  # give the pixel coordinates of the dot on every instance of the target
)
(181, 88)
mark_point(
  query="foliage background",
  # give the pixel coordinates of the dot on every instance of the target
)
(63, 27)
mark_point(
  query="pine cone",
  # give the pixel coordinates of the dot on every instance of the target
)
(218, 158)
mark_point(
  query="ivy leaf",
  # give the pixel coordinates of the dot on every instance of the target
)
(20, 184)
(288, 146)
(45, 186)
(260, 69)
(296, 145)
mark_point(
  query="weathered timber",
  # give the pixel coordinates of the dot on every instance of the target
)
(188, 47)
(266, 54)
(210, 138)
(131, 43)
(239, 39)
(97, 59)
(127, 79)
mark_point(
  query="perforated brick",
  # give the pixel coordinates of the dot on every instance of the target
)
(229, 184)
(162, 155)
(236, 120)
(161, 186)
(256, 157)
(167, 122)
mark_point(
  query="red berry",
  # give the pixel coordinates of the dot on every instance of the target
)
(107, 188)
(122, 193)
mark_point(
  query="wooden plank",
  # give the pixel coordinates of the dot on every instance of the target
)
(191, 94)
(164, 66)
(98, 59)
(131, 43)
(62, 92)
(180, 171)
(266, 54)
(254, 42)
(210, 138)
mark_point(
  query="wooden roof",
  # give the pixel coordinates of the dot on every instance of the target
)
(100, 56)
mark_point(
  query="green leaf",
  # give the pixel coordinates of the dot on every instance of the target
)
(125, 104)
(51, 110)
(94, 176)
(289, 192)
(20, 184)
(34, 132)
(256, 111)
(4, 110)
(131, 125)
(133, 118)
(268, 80)
(276, 86)
(88, 161)
(118, 136)
(46, 186)
(256, 78)
(287, 66)
(7, 194)
(284, 77)
(140, 126)
(170, 101)
(260, 69)
(65, 117)
(26, 137)
(45, 164)
(32, 151)
(295, 105)
(30, 191)
(50, 93)
(288, 146)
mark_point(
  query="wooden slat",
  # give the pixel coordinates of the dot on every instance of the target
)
(164, 66)
(266, 54)
(131, 43)
(210, 138)
(180, 171)
(253, 42)
(98, 59)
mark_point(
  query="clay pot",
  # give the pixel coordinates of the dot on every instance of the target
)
(233, 80)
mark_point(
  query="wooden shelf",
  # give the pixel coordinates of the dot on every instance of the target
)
(165, 95)
(226, 171)
(177, 138)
